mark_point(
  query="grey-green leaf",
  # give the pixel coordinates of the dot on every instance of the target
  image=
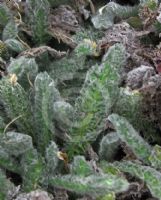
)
(130, 136)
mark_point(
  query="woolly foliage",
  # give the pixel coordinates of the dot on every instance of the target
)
(5, 186)
(63, 113)
(106, 15)
(51, 158)
(45, 96)
(116, 57)
(130, 136)
(81, 167)
(109, 146)
(25, 69)
(67, 67)
(10, 31)
(152, 4)
(86, 47)
(8, 162)
(2, 124)
(155, 157)
(129, 105)
(38, 11)
(93, 185)
(5, 14)
(64, 69)
(150, 176)
(110, 196)
(32, 169)
(89, 32)
(17, 105)
(16, 143)
(97, 96)
(14, 45)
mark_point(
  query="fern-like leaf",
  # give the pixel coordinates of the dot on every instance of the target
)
(17, 105)
(45, 96)
(38, 11)
(130, 136)
(94, 185)
(25, 69)
(98, 95)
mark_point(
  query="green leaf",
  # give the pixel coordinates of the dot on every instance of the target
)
(104, 18)
(45, 96)
(63, 113)
(5, 186)
(15, 45)
(51, 158)
(10, 31)
(32, 170)
(25, 69)
(38, 18)
(81, 167)
(155, 157)
(130, 136)
(17, 105)
(8, 162)
(94, 185)
(97, 97)
(5, 14)
(109, 146)
(16, 143)
(150, 176)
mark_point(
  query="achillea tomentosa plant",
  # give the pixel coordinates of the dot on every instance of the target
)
(38, 113)
(148, 159)
(36, 120)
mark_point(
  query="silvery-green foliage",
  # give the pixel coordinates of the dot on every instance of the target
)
(17, 105)
(129, 135)
(25, 69)
(129, 105)
(105, 16)
(5, 14)
(8, 162)
(89, 32)
(149, 175)
(5, 186)
(16, 143)
(149, 3)
(2, 124)
(15, 45)
(45, 96)
(67, 67)
(109, 146)
(93, 185)
(81, 167)
(10, 31)
(116, 57)
(155, 157)
(32, 167)
(38, 11)
(98, 95)
(86, 48)
(64, 69)
(63, 113)
(51, 158)
(109, 196)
